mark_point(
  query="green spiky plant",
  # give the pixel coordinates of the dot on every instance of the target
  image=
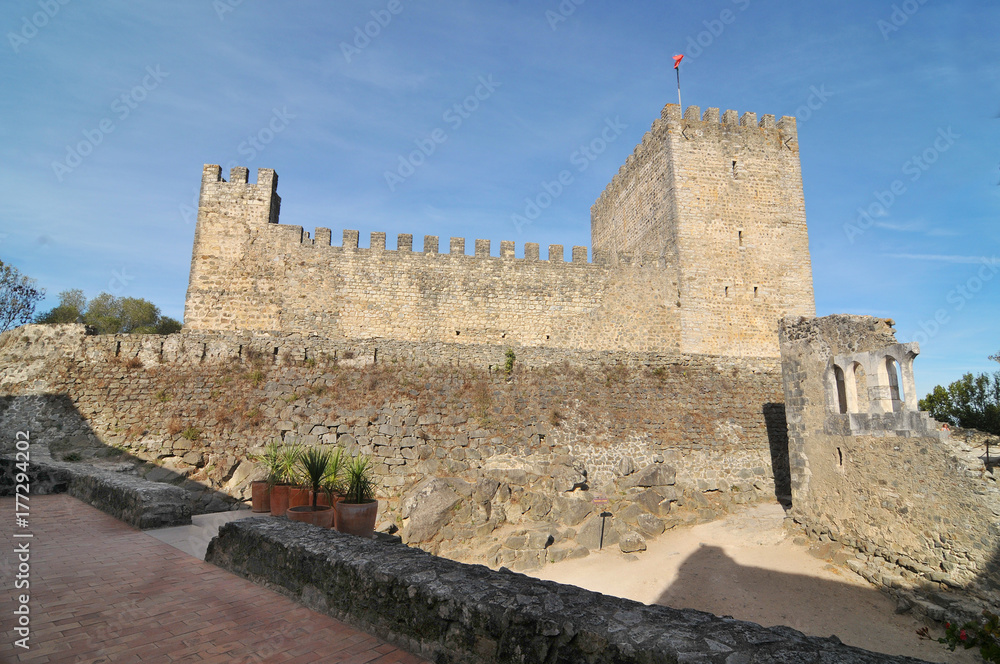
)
(333, 480)
(314, 462)
(360, 483)
(271, 458)
(288, 462)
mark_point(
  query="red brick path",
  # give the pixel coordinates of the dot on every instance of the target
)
(103, 592)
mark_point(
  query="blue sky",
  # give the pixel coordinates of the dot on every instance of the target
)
(898, 106)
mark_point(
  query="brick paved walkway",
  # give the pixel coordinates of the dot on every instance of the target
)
(104, 592)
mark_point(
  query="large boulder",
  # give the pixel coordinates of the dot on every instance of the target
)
(589, 534)
(427, 508)
(632, 542)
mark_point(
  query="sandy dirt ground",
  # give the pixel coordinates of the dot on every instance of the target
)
(746, 566)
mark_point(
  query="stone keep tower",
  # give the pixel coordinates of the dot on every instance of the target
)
(720, 199)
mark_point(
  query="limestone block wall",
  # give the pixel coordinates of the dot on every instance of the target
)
(250, 274)
(721, 199)
(920, 507)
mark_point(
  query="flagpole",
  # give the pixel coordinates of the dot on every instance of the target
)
(679, 86)
(677, 68)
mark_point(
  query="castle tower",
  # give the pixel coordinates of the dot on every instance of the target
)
(720, 198)
(229, 217)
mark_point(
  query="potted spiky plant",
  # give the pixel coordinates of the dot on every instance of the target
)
(314, 463)
(288, 458)
(260, 490)
(333, 485)
(356, 513)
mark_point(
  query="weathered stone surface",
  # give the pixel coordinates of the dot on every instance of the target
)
(427, 508)
(449, 612)
(571, 511)
(649, 525)
(653, 475)
(632, 542)
(590, 532)
(136, 501)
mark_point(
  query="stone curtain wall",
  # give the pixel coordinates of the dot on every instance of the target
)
(917, 506)
(721, 199)
(453, 613)
(248, 274)
(527, 452)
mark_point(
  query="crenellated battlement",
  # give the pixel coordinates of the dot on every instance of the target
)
(710, 126)
(323, 239)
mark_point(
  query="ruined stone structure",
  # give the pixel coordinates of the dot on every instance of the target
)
(699, 247)
(871, 472)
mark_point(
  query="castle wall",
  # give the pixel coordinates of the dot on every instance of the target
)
(721, 198)
(564, 427)
(875, 474)
(700, 246)
(251, 275)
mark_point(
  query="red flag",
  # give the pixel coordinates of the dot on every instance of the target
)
(677, 61)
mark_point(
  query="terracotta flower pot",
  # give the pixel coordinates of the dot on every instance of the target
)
(322, 498)
(279, 499)
(260, 496)
(357, 519)
(299, 495)
(321, 515)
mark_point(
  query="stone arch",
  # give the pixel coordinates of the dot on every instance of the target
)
(895, 393)
(841, 389)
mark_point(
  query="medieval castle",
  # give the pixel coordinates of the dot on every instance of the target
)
(670, 374)
(699, 247)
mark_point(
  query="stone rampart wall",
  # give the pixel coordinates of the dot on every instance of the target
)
(559, 431)
(453, 613)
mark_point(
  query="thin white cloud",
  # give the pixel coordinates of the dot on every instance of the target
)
(948, 258)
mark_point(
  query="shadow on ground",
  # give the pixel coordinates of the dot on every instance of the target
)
(709, 580)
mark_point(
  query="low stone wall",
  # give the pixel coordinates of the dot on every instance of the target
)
(137, 502)
(451, 612)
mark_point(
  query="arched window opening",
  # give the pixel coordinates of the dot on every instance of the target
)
(838, 374)
(895, 392)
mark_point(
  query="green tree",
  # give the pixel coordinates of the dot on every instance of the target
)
(970, 402)
(18, 297)
(70, 309)
(110, 314)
